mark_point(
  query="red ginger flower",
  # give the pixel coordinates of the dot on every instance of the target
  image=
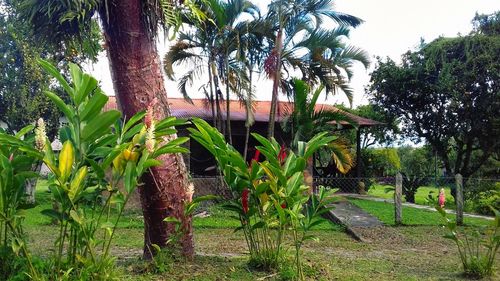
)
(244, 200)
(150, 111)
(442, 198)
(282, 154)
(256, 155)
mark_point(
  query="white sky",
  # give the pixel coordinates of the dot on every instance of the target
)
(391, 28)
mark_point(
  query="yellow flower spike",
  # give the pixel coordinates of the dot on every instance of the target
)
(66, 159)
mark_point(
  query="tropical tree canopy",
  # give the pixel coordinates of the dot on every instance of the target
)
(448, 94)
(22, 82)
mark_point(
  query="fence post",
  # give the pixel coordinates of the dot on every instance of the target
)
(398, 208)
(459, 197)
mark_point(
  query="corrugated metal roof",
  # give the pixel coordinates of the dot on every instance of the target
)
(200, 108)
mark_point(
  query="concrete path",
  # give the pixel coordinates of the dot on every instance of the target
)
(353, 218)
(416, 206)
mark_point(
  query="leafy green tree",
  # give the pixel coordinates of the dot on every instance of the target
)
(447, 93)
(21, 81)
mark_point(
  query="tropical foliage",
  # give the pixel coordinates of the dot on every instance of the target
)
(216, 47)
(269, 197)
(305, 121)
(99, 154)
(134, 67)
(478, 248)
(447, 93)
(22, 81)
(15, 169)
(303, 43)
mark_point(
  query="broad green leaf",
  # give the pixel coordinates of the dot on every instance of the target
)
(65, 134)
(76, 184)
(98, 170)
(52, 214)
(172, 220)
(74, 215)
(257, 225)
(66, 159)
(130, 177)
(133, 120)
(67, 111)
(94, 106)
(24, 131)
(52, 70)
(99, 125)
(132, 132)
(205, 198)
(147, 164)
(170, 122)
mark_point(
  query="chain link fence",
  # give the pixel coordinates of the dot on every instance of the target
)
(478, 193)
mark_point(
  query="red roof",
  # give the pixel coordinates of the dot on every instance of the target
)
(200, 108)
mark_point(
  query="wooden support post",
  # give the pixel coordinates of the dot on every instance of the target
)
(459, 197)
(398, 195)
(358, 161)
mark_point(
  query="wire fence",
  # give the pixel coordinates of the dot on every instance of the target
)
(477, 193)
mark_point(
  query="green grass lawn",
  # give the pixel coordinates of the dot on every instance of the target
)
(421, 196)
(395, 253)
(384, 211)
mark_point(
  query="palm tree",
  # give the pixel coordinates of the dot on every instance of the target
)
(324, 58)
(129, 28)
(299, 18)
(214, 45)
(306, 120)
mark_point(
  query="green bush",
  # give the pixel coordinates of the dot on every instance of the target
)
(478, 247)
(270, 198)
(481, 194)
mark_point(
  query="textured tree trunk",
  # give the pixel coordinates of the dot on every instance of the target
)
(248, 108)
(228, 104)
(218, 97)
(212, 99)
(137, 78)
(276, 81)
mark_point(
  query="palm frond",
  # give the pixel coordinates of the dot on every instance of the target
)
(187, 80)
(341, 155)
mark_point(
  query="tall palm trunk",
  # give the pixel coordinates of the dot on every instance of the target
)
(212, 99)
(248, 109)
(228, 103)
(137, 78)
(218, 96)
(276, 81)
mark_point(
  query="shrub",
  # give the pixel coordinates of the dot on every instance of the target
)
(477, 248)
(480, 194)
(99, 154)
(16, 160)
(269, 197)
